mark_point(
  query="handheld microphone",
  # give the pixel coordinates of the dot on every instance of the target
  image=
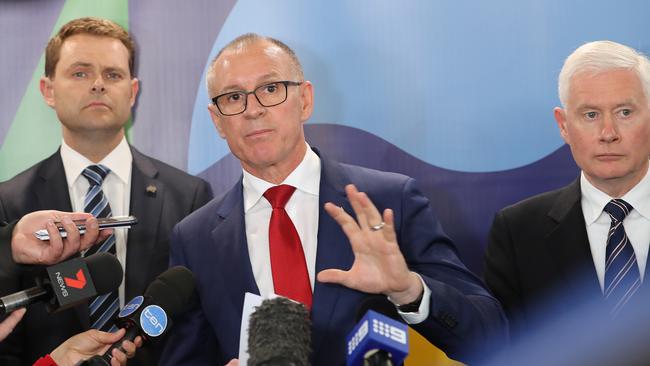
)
(279, 334)
(377, 340)
(150, 316)
(69, 283)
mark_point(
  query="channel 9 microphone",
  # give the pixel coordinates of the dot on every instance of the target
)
(150, 316)
(69, 283)
(377, 340)
(279, 334)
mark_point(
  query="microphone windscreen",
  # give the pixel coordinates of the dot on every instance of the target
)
(106, 272)
(279, 333)
(173, 290)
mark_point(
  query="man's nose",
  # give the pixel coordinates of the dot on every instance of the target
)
(98, 85)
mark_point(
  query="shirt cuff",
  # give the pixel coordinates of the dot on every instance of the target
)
(45, 361)
(423, 311)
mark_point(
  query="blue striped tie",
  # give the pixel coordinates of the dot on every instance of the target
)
(622, 278)
(104, 307)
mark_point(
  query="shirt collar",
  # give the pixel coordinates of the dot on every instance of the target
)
(594, 200)
(302, 178)
(118, 161)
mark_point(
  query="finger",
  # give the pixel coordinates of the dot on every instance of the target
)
(347, 223)
(53, 249)
(333, 276)
(71, 243)
(106, 337)
(104, 234)
(7, 326)
(119, 358)
(372, 214)
(129, 348)
(138, 341)
(389, 229)
(354, 199)
(91, 235)
(233, 362)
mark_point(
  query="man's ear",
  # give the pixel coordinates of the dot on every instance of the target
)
(135, 86)
(560, 118)
(217, 120)
(47, 91)
(307, 100)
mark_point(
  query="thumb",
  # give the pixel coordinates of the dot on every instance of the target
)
(333, 276)
(105, 337)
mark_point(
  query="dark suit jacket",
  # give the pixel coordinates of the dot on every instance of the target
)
(44, 186)
(538, 260)
(212, 243)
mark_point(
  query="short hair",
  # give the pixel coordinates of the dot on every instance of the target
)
(91, 26)
(248, 39)
(600, 56)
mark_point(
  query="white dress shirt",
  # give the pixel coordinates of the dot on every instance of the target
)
(303, 209)
(636, 223)
(116, 187)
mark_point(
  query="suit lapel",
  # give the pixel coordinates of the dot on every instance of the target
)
(52, 193)
(230, 264)
(52, 190)
(147, 194)
(333, 248)
(568, 242)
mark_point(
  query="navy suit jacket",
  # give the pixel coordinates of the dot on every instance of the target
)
(212, 243)
(538, 261)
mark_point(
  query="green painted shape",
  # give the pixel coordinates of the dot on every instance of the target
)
(36, 132)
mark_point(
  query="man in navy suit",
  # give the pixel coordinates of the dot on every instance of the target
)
(550, 253)
(90, 83)
(394, 247)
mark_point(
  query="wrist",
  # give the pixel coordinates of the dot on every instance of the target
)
(413, 292)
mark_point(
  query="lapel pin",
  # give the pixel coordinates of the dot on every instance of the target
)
(151, 190)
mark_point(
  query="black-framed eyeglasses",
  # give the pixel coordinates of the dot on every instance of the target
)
(268, 95)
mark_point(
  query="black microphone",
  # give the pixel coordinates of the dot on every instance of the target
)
(150, 316)
(69, 283)
(279, 334)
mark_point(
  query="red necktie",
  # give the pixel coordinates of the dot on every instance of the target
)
(290, 276)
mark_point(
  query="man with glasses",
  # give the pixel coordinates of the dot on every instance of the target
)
(286, 227)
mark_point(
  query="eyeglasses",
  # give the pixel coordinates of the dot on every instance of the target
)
(268, 95)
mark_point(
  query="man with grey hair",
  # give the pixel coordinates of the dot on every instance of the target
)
(288, 227)
(589, 240)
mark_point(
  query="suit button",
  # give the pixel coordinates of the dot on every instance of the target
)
(448, 320)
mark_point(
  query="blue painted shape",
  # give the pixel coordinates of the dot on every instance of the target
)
(463, 86)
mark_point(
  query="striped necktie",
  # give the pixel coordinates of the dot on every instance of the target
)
(103, 307)
(622, 278)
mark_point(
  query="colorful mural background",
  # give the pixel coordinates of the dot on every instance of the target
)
(458, 94)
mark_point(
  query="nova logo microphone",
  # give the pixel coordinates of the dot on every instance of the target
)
(78, 282)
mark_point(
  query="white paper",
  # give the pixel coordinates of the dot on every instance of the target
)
(250, 302)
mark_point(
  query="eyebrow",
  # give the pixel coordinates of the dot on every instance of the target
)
(89, 65)
(79, 64)
(629, 102)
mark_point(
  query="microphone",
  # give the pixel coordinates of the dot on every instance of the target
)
(279, 334)
(150, 316)
(377, 339)
(69, 283)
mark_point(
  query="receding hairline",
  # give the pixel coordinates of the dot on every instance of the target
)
(244, 42)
